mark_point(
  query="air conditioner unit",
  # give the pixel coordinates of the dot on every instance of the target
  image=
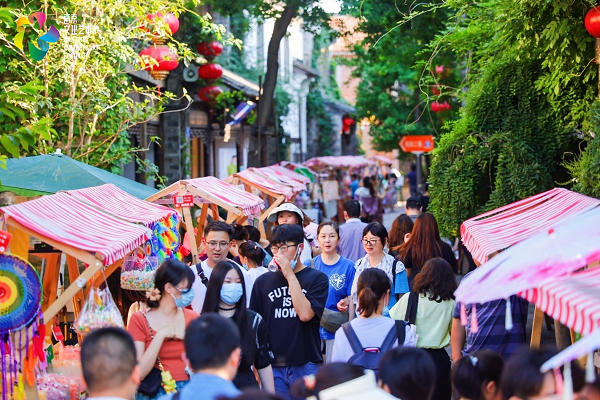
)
(190, 74)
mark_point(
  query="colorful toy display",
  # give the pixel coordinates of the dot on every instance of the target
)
(21, 323)
(165, 242)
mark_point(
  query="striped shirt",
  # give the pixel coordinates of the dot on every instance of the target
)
(492, 334)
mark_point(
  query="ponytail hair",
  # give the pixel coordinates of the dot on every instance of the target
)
(327, 376)
(372, 285)
(252, 252)
(472, 372)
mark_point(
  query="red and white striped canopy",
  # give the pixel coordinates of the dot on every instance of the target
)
(500, 228)
(290, 174)
(121, 204)
(227, 193)
(282, 178)
(382, 159)
(573, 300)
(266, 183)
(67, 220)
(338, 162)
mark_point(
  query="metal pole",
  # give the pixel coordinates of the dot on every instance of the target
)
(260, 158)
(419, 172)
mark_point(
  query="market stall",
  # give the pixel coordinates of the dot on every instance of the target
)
(301, 169)
(272, 191)
(500, 228)
(208, 192)
(550, 255)
(85, 229)
(283, 178)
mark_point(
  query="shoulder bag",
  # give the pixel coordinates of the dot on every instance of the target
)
(150, 385)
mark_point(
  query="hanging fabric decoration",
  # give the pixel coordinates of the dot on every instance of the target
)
(508, 321)
(590, 369)
(568, 382)
(463, 314)
(474, 324)
(166, 241)
(21, 323)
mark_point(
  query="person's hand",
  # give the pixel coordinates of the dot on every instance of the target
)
(171, 332)
(284, 265)
(342, 305)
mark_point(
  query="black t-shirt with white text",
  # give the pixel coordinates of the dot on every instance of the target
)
(294, 342)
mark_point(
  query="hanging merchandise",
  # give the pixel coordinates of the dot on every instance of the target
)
(166, 241)
(20, 307)
(137, 272)
(99, 311)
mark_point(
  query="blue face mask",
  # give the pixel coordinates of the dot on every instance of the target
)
(295, 259)
(185, 300)
(231, 293)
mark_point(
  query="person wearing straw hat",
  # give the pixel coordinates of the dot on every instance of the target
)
(289, 213)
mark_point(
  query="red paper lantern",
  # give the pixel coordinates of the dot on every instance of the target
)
(169, 19)
(166, 59)
(210, 72)
(209, 93)
(592, 22)
(437, 107)
(210, 49)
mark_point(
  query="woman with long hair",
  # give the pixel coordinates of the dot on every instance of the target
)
(400, 233)
(424, 244)
(226, 295)
(371, 201)
(340, 273)
(371, 327)
(158, 332)
(433, 291)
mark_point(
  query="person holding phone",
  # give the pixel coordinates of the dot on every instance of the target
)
(291, 301)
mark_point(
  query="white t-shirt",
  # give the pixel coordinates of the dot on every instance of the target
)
(370, 332)
(200, 288)
(253, 274)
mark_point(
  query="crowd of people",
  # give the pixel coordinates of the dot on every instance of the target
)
(320, 312)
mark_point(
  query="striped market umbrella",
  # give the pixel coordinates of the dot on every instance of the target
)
(548, 255)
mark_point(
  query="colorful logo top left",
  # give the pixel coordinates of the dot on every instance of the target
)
(51, 36)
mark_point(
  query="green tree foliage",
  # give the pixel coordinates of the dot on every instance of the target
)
(585, 169)
(527, 92)
(80, 97)
(398, 78)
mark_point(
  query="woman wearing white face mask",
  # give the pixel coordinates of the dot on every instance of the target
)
(226, 294)
(158, 333)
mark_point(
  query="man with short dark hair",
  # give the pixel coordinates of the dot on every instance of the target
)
(413, 207)
(291, 301)
(212, 351)
(351, 232)
(109, 364)
(217, 241)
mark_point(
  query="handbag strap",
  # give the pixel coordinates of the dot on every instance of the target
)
(411, 308)
(152, 337)
(200, 271)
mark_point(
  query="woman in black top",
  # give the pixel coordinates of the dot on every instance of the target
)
(226, 295)
(424, 244)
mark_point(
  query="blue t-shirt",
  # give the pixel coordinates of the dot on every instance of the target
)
(354, 186)
(492, 334)
(205, 387)
(340, 276)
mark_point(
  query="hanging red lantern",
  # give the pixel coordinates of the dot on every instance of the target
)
(210, 72)
(209, 94)
(435, 90)
(166, 59)
(210, 49)
(592, 22)
(169, 19)
(346, 124)
(437, 107)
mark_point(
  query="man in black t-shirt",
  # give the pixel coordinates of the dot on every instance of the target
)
(291, 301)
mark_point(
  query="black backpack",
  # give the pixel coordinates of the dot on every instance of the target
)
(368, 358)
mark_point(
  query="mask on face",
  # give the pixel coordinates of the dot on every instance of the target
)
(295, 259)
(246, 267)
(231, 293)
(185, 300)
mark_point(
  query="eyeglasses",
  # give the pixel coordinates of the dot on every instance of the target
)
(284, 248)
(213, 244)
(183, 291)
(371, 242)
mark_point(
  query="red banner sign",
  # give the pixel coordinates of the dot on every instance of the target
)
(186, 200)
(4, 240)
